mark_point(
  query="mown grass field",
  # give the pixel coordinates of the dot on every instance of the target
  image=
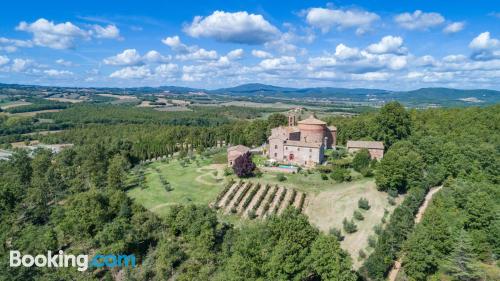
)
(195, 183)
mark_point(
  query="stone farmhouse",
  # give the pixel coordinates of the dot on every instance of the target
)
(301, 143)
(376, 148)
(234, 152)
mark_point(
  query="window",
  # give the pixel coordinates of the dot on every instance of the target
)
(275, 154)
(275, 146)
(286, 147)
(298, 148)
(310, 150)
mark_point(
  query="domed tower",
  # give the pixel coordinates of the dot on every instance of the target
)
(312, 130)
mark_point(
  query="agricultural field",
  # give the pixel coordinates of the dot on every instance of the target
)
(196, 182)
(256, 200)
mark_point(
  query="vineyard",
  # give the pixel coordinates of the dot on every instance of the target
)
(255, 200)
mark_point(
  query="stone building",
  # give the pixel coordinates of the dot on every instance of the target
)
(234, 152)
(376, 148)
(301, 143)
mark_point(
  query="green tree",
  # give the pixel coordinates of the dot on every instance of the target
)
(361, 160)
(328, 261)
(461, 263)
(393, 123)
(116, 172)
(275, 120)
(400, 168)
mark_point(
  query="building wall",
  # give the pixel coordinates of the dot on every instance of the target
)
(332, 138)
(276, 149)
(304, 155)
(374, 152)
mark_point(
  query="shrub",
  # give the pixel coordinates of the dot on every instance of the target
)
(261, 197)
(391, 201)
(233, 210)
(336, 233)
(372, 241)
(280, 177)
(362, 254)
(250, 196)
(280, 199)
(324, 177)
(366, 172)
(228, 171)
(251, 214)
(378, 229)
(392, 192)
(349, 226)
(361, 160)
(341, 175)
(363, 204)
(358, 215)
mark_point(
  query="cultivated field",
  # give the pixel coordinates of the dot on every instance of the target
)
(194, 183)
(256, 200)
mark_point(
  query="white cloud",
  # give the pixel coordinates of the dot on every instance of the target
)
(238, 27)
(58, 73)
(419, 20)
(21, 65)
(64, 35)
(11, 45)
(325, 19)
(166, 70)
(56, 36)
(388, 45)
(127, 57)
(454, 58)
(64, 62)
(108, 32)
(344, 52)
(132, 72)
(261, 54)
(485, 47)
(281, 63)
(155, 57)
(235, 54)
(484, 41)
(176, 45)
(4, 60)
(199, 54)
(454, 27)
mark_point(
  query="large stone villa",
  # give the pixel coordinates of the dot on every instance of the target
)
(301, 143)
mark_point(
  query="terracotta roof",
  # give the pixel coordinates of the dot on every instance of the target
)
(365, 144)
(240, 148)
(311, 120)
(332, 128)
(303, 144)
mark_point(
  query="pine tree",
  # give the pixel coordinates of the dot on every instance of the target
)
(461, 264)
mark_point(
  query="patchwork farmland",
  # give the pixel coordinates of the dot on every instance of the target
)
(257, 200)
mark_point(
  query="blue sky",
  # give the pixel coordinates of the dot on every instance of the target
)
(210, 44)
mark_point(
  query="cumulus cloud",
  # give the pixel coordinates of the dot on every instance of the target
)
(235, 54)
(64, 62)
(419, 20)
(325, 19)
(4, 60)
(281, 63)
(454, 27)
(186, 52)
(11, 45)
(176, 45)
(64, 35)
(132, 72)
(485, 47)
(199, 54)
(127, 57)
(132, 57)
(21, 65)
(261, 54)
(108, 32)
(388, 45)
(57, 73)
(238, 27)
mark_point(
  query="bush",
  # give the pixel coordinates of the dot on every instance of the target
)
(358, 215)
(228, 171)
(366, 172)
(336, 233)
(324, 177)
(378, 229)
(372, 241)
(391, 201)
(392, 193)
(252, 215)
(341, 175)
(361, 160)
(280, 177)
(363, 204)
(349, 226)
(362, 254)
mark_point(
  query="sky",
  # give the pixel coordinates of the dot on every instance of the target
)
(395, 45)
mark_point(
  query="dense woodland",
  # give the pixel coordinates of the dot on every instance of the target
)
(76, 200)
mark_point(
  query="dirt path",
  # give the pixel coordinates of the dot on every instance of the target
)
(211, 168)
(418, 217)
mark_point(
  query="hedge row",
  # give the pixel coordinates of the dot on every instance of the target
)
(242, 194)
(226, 189)
(271, 199)
(280, 199)
(400, 225)
(232, 194)
(261, 197)
(251, 196)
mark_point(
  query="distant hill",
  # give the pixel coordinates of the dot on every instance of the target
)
(415, 98)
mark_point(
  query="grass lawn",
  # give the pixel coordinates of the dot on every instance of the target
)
(196, 183)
